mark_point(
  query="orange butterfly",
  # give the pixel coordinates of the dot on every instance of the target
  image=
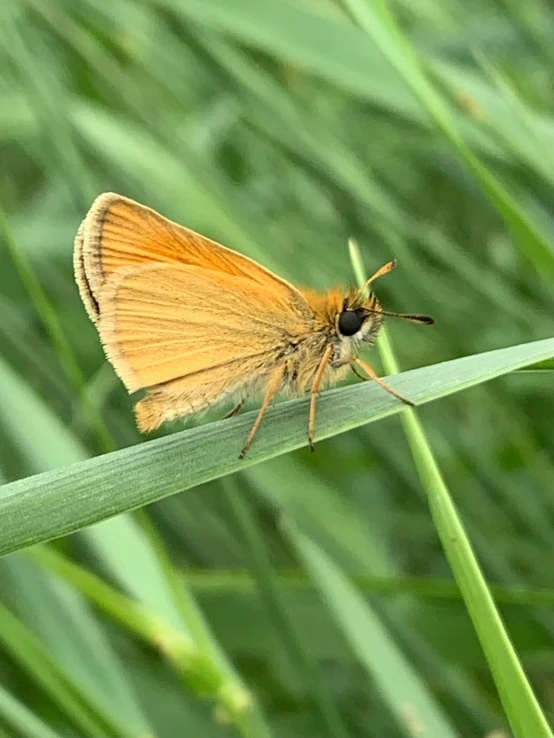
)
(194, 323)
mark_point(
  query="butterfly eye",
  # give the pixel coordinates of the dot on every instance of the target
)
(350, 322)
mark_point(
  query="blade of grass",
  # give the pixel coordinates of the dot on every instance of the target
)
(335, 51)
(62, 501)
(237, 581)
(24, 722)
(60, 617)
(522, 708)
(328, 518)
(324, 708)
(45, 90)
(86, 713)
(196, 665)
(401, 687)
(379, 23)
(235, 702)
(20, 402)
(57, 336)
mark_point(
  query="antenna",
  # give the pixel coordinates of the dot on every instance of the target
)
(388, 267)
(424, 319)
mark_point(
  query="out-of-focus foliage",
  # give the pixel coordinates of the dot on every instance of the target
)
(281, 129)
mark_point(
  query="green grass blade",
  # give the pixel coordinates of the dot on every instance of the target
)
(24, 722)
(61, 501)
(325, 710)
(521, 706)
(401, 687)
(194, 662)
(242, 582)
(522, 709)
(377, 20)
(60, 617)
(91, 717)
(20, 402)
(334, 50)
(55, 331)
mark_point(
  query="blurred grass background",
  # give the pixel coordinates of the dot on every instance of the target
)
(279, 129)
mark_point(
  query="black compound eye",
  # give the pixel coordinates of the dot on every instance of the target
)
(350, 322)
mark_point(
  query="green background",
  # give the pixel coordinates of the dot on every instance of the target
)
(309, 592)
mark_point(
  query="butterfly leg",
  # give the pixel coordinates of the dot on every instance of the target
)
(316, 384)
(272, 389)
(372, 375)
(356, 372)
(234, 411)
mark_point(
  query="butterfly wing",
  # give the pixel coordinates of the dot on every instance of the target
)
(193, 336)
(118, 232)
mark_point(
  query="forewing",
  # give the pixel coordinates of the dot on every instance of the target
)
(162, 322)
(118, 232)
